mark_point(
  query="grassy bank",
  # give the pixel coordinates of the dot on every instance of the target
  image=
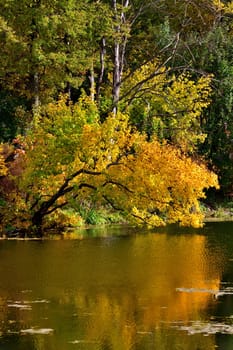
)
(219, 211)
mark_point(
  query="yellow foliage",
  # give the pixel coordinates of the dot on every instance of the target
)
(3, 168)
(226, 8)
(218, 4)
(165, 185)
(15, 213)
(184, 104)
(63, 219)
(170, 105)
(69, 158)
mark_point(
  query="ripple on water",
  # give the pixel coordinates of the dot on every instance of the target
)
(206, 328)
(216, 293)
(26, 304)
(83, 341)
(20, 306)
(37, 331)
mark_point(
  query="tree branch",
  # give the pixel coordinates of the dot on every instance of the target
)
(64, 189)
(109, 201)
(118, 184)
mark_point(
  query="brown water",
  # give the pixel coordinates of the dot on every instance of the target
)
(170, 289)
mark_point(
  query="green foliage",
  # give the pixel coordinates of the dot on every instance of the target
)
(13, 116)
(93, 218)
(216, 55)
(39, 49)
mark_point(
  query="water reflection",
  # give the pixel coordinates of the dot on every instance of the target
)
(133, 292)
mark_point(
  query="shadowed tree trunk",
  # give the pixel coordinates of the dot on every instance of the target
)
(102, 68)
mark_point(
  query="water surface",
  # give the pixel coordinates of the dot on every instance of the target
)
(171, 289)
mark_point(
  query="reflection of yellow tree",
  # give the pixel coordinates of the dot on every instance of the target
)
(119, 317)
(121, 296)
(117, 324)
(179, 270)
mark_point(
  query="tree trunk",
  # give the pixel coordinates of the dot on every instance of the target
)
(102, 68)
(36, 91)
(119, 51)
(37, 221)
(116, 77)
(92, 82)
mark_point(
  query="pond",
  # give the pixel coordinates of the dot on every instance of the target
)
(119, 289)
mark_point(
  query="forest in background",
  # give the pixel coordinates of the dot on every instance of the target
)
(124, 105)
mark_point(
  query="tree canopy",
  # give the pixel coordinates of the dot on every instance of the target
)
(71, 157)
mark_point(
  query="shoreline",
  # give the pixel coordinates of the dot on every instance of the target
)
(72, 235)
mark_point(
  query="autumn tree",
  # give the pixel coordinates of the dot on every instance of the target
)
(71, 157)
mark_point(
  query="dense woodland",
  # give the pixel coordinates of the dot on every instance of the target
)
(116, 106)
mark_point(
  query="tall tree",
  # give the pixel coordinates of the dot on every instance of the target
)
(150, 34)
(216, 55)
(43, 46)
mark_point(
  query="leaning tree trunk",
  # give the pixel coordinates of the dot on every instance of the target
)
(37, 221)
(49, 206)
